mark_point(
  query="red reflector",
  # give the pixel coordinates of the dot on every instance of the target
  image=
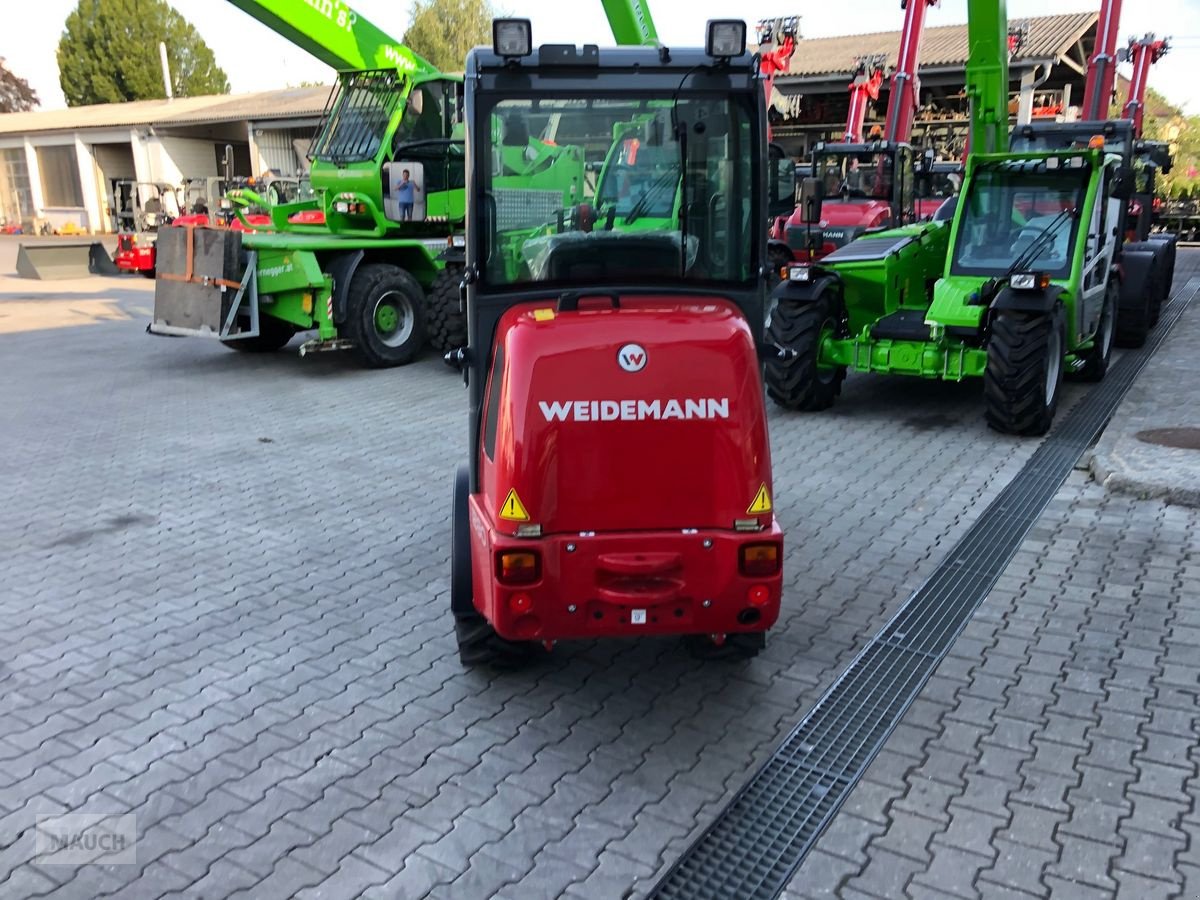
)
(759, 560)
(520, 603)
(518, 566)
(758, 595)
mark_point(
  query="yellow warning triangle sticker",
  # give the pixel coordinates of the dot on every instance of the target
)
(514, 509)
(762, 502)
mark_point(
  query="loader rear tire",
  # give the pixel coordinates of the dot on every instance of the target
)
(444, 319)
(798, 382)
(273, 334)
(385, 316)
(480, 645)
(739, 645)
(1024, 372)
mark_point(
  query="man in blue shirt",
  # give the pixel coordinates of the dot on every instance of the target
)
(406, 196)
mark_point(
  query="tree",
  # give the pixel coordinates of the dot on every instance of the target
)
(15, 93)
(109, 53)
(442, 31)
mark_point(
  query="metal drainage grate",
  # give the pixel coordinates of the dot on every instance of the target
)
(759, 840)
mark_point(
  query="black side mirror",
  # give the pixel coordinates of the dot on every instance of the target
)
(782, 198)
(812, 193)
(1122, 184)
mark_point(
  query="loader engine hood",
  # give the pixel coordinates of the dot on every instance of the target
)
(646, 415)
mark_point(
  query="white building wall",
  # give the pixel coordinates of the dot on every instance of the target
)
(181, 158)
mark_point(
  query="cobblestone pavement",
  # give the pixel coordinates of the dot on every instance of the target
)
(1053, 753)
(225, 610)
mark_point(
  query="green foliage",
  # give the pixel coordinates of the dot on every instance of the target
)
(442, 31)
(15, 93)
(109, 53)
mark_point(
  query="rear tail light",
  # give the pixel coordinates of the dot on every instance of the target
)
(520, 603)
(518, 566)
(759, 560)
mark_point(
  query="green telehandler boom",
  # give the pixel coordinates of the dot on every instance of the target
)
(1016, 283)
(378, 271)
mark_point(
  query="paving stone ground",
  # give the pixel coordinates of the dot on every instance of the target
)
(223, 589)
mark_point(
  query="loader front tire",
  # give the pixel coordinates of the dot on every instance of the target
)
(1024, 372)
(797, 381)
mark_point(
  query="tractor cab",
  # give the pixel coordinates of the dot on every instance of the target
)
(866, 187)
(619, 480)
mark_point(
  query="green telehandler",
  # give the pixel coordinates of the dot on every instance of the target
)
(1017, 283)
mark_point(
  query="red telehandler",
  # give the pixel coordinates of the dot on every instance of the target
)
(867, 185)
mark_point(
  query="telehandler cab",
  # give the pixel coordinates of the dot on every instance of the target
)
(619, 480)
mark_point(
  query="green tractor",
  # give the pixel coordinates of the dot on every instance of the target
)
(1019, 288)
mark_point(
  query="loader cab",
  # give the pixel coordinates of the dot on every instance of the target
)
(673, 152)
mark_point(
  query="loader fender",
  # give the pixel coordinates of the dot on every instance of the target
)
(1042, 301)
(342, 268)
(806, 291)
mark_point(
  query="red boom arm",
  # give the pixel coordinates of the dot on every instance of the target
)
(1144, 53)
(902, 100)
(1102, 67)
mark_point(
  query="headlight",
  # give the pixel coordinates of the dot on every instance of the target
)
(802, 274)
(1028, 281)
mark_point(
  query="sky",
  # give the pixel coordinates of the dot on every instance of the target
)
(257, 59)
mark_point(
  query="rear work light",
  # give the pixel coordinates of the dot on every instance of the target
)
(518, 566)
(1029, 281)
(803, 274)
(759, 560)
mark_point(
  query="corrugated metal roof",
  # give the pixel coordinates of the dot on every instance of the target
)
(943, 46)
(287, 103)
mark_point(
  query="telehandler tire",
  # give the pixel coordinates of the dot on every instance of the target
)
(1096, 360)
(446, 323)
(385, 316)
(1136, 312)
(273, 334)
(738, 645)
(1024, 372)
(798, 383)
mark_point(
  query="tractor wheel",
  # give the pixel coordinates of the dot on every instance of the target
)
(385, 316)
(1024, 371)
(273, 334)
(739, 645)
(1095, 360)
(445, 321)
(479, 645)
(799, 382)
